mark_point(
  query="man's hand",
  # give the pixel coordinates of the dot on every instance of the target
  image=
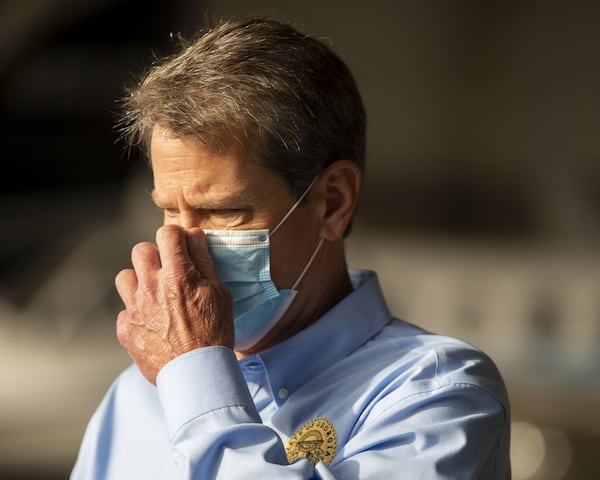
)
(174, 302)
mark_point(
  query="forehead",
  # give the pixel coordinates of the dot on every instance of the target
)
(182, 165)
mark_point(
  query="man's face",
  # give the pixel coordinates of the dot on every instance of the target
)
(197, 188)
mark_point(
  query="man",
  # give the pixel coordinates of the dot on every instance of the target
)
(257, 353)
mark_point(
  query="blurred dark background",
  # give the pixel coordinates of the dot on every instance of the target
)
(481, 207)
(63, 67)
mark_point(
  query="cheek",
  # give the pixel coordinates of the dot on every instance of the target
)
(284, 268)
(290, 254)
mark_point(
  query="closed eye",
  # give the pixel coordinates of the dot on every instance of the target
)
(229, 217)
(170, 212)
(215, 218)
(226, 212)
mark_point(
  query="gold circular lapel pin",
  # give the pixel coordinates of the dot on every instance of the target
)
(316, 441)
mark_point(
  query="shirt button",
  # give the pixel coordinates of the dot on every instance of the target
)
(282, 393)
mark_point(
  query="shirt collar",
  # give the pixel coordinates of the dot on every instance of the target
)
(348, 325)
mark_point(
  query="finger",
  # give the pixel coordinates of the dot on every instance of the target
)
(198, 253)
(146, 262)
(126, 283)
(122, 328)
(172, 248)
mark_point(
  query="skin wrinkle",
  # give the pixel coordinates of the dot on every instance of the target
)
(206, 143)
(187, 193)
(173, 296)
(180, 288)
(218, 87)
(169, 328)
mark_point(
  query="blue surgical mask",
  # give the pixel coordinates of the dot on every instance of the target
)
(242, 262)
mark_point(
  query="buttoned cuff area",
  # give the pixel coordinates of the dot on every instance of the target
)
(203, 381)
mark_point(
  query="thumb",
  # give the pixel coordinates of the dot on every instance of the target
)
(198, 252)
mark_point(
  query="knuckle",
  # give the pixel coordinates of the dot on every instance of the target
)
(142, 250)
(168, 232)
(174, 274)
(179, 272)
(122, 327)
(123, 276)
(126, 283)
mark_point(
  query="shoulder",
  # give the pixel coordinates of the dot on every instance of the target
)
(128, 389)
(130, 403)
(433, 393)
(126, 429)
(130, 380)
(417, 362)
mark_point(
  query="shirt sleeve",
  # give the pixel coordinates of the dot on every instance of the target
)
(451, 431)
(212, 423)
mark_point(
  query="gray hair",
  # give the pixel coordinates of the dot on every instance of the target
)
(259, 84)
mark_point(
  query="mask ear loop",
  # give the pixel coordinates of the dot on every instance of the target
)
(291, 210)
(308, 264)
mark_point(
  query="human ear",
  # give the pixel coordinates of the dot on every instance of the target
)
(340, 182)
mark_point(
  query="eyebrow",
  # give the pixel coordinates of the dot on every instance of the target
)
(157, 201)
(236, 199)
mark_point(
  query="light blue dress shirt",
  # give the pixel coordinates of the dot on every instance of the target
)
(402, 403)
